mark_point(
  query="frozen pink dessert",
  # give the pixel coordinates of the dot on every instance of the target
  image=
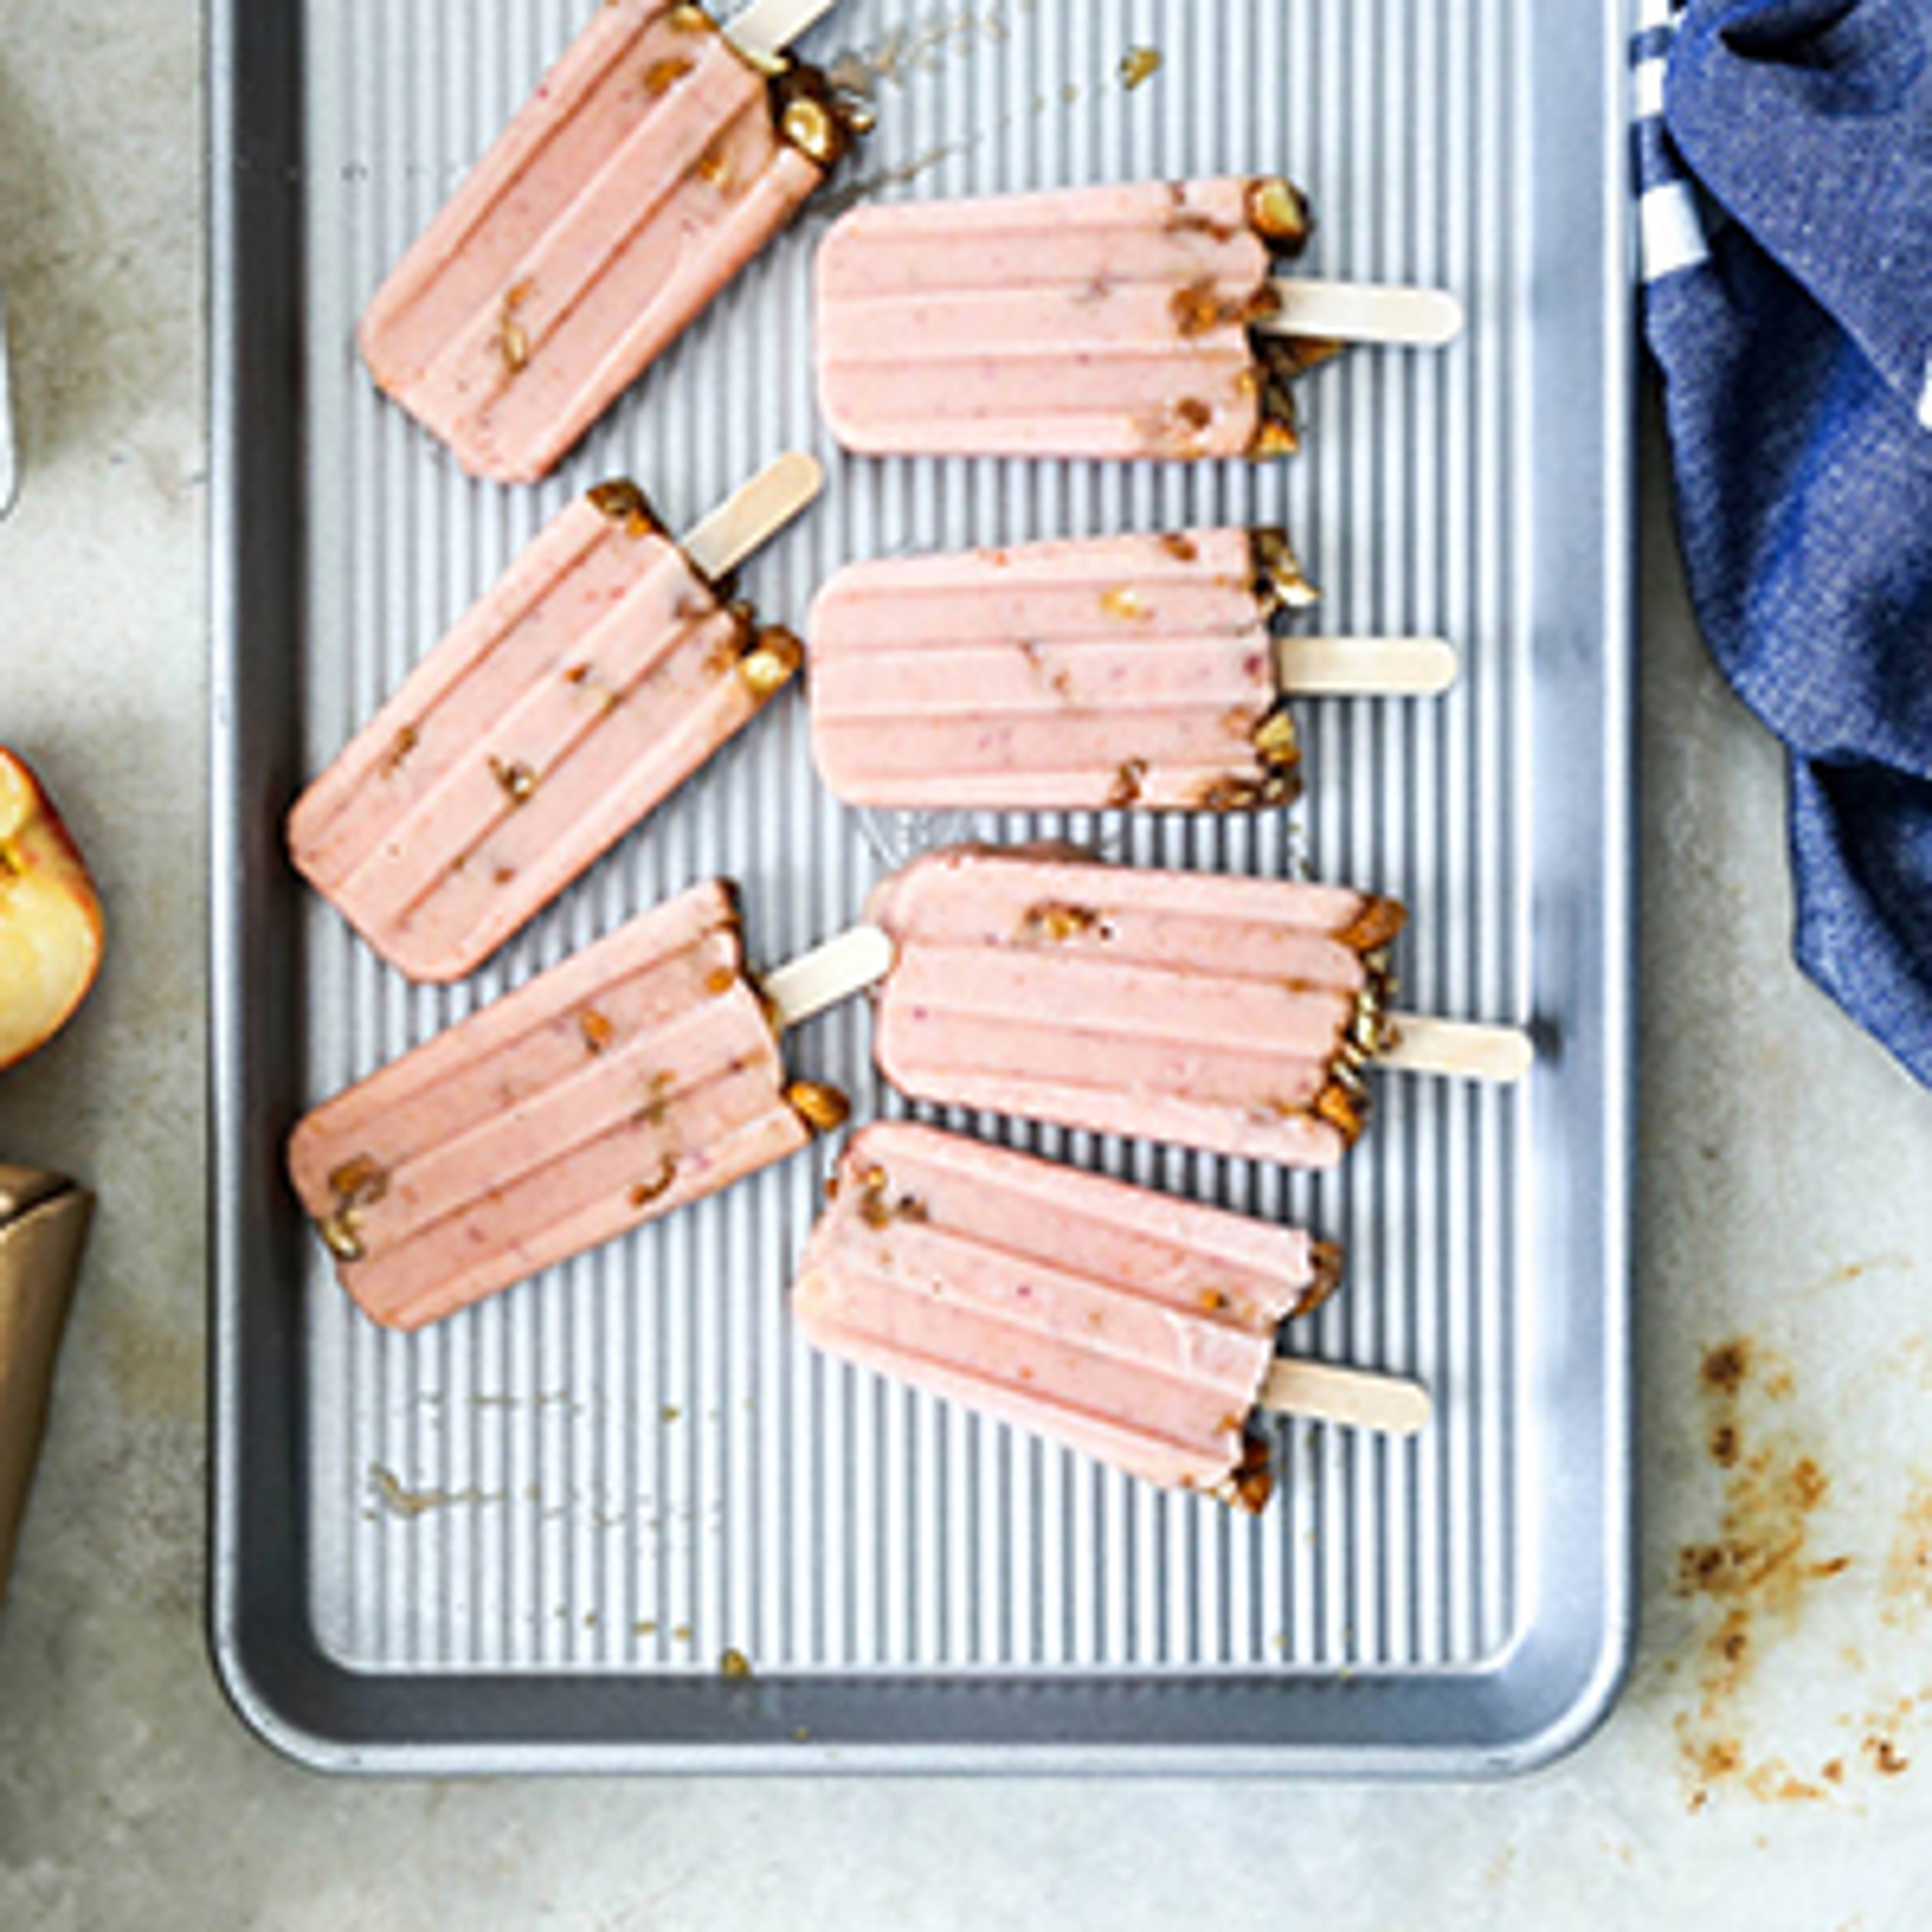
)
(1125, 1324)
(1106, 321)
(1232, 1015)
(1075, 677)
(642, 1074)
(591, 681)
(653, 163)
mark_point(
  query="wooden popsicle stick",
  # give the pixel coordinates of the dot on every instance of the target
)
(819, 980)
(1360, 1399)
(750, 517)
(1362, 312)
(1364, 666)
(1456, 1049)
(767, 28)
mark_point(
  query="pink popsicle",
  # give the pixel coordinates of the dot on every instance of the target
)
(591, 682)
(1109, 321)
(1232, 1015)
(1129, 1325)
(650, 165)
(642, 1074)
(1124, 670)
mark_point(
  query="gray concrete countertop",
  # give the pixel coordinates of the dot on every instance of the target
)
(1771, 1764)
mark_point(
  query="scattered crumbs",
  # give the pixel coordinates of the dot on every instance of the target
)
(1855, 1271)
(1139, 65)
(1281, 1643)
(1885, 1756)
(1756, 1575)
(803, 1735)
(1069, 94)
(1832, 1771)
(647, 1628)
(1496, 1873)
(1906, 1589)
(590, 1620)
(399, 1500)
(672, 1413)
(735, 1664)
(681, 1633)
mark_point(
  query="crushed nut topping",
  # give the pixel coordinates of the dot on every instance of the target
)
(662, 76)
(1055, 922)
(1126, 605)
(1182, 549)
(1127, 782)
(822, 1108)
(518, 782)
(1278, 212)
(623, 503)
(773, 665)
(400, 746)
(598, 1031)
(647, 1191)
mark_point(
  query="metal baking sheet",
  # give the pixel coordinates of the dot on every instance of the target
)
(526, 1539)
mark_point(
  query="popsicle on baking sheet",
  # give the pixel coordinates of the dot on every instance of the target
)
(596, 676)
(1102, 672)
(656, 159)
(1127, 1324)
(641, 1074)
(1141, 321)
(1237, 1016)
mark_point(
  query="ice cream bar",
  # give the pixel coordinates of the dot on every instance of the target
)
(1121, 322)
(640, 1075)
(1237, 1016)
(1075, 677)
(602, 671)
(1126, 1325)
(652, 163)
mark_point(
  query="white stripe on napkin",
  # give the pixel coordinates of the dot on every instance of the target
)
(1655, 13)
(1672, 230)
(1648, 83)
(1925, 401)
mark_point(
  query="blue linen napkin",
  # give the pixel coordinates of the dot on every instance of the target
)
(1783, 152)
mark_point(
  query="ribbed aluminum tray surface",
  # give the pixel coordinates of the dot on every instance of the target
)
(528, 1537)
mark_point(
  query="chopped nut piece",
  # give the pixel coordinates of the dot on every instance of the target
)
(1183, 549)
(518, 782)
(1126, 604)
(773, 664)
(624, 503)
(1126, 788)
(598, 1031)
(721, 982)
(655, 1188)
(1279, 580)
(713, 167)
(1277, 740)
(691, 20)
(338, 1231)
(1139, 64)
(400, 746)
(1279, 214)
(1056, 922)
(824, 1109)
(359, 1182)
(735, 1664)
(662, 76)
(808, 124)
